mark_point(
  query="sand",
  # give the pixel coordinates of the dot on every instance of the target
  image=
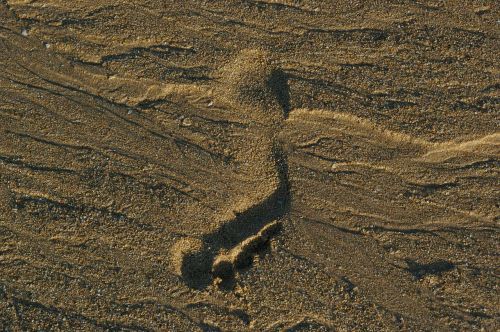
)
(249, 165)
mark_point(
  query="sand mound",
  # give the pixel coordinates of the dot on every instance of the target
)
(189, 260)
(254, 82)
(240, 256)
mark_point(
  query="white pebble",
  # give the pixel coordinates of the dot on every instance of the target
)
(186, 122)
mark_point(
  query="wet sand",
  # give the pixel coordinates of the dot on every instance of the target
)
(249, 165)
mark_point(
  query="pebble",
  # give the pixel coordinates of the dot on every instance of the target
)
(186, 122)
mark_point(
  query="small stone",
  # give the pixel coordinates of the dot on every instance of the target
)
(24, 32)
(186, 122)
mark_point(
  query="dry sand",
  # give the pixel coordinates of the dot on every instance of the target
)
(249, 165)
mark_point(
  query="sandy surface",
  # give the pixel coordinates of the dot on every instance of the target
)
(249, 165)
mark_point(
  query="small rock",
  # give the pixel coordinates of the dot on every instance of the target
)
(186, 122)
